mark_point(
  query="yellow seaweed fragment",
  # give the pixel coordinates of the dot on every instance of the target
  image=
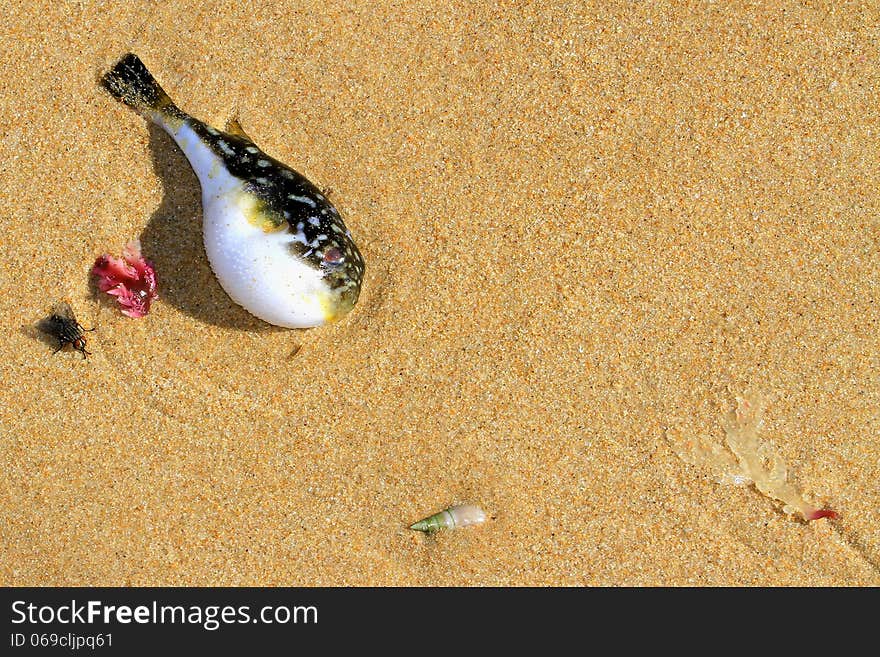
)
(747, 459)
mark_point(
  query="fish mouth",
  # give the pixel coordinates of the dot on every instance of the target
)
(339, 303)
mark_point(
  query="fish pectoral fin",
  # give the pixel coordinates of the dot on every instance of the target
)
(233, 127)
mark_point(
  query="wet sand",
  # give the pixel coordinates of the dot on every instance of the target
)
(588, 227)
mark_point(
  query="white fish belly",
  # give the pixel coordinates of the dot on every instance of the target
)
(256, 269)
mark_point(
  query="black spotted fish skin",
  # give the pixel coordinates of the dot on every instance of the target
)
(276, 243)
(289, 197)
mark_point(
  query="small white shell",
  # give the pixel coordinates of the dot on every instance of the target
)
(461, 515)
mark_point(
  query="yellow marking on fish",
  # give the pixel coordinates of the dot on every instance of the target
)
(257, 214)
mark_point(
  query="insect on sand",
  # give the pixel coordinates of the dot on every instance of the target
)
(63, 326)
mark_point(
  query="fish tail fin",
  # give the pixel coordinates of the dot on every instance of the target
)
(131, 82)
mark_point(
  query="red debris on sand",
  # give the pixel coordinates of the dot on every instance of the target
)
(821, 513)
(131, 279)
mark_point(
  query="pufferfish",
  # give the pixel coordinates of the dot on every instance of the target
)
(276, 244)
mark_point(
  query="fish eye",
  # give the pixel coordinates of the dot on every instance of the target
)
(333, 257)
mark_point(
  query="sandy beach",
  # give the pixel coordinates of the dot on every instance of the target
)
(589, 228)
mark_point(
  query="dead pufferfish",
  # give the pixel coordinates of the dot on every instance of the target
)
(276, 244)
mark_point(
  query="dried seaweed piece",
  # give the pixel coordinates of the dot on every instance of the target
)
(759, 463)
(746, 459)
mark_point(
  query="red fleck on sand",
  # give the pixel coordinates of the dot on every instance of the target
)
(821, 513)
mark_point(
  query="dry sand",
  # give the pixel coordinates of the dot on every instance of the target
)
(587, 225)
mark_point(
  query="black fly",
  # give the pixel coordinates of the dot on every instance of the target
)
(63, 326)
